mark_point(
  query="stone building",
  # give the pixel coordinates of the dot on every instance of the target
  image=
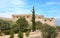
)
(40, 18)
(28, 17)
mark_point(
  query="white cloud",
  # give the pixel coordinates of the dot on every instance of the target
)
(52, 3)
(11, 3)
(18, 2)
(3, 6)
(22, 11)
(54, 11)
(57, 17)
(9, 13)
(13, 7)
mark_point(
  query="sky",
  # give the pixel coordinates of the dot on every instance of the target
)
(48, 8)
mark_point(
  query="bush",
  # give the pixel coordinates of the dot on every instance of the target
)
(15, 27)
(20, 34)
(58, 28)
(6, 32)
(38, 25)
(11, 34)
(27, 33)
(49, 31)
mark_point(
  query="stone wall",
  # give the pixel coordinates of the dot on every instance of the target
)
(41, 18)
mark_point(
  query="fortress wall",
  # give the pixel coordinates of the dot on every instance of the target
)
(40, 18)
(28, 17)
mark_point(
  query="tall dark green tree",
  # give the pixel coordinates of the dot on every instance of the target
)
(33, 20)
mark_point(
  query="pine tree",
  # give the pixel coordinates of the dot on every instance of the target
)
(33, 20)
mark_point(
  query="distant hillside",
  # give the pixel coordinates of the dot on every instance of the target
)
(57, 21)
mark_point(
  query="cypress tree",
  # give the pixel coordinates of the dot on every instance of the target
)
(33, 20)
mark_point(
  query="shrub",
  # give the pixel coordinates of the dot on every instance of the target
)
(49, 31)
(20, 34)
(58, 28)
(6, 32)
(27, 33)
(11, 34)
(15, 27)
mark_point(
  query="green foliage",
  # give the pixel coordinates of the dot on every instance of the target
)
(20, 34)
(22, 23)
(49, 31)
(15, 27)
(11, 33)
(38, 25)
(33, 20)
(58, 27)
(1, 21)
(6, 32)
(6, 25)
(27, 33)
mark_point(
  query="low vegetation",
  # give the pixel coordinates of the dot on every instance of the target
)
(11, 33)
(58, 27)
(49, 31)
(27, 33)
(20, 34)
